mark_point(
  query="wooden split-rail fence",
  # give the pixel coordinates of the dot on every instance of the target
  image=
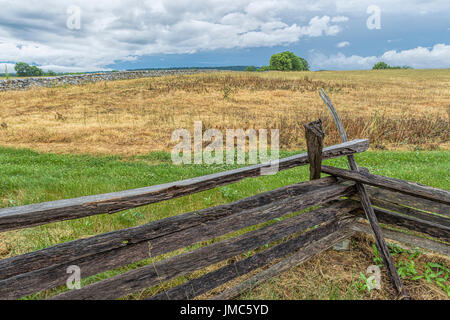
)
(336, 214)
(282, 228)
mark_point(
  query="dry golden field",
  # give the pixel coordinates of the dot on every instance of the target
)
(396, 109)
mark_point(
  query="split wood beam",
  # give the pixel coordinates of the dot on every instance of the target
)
(314, 141)
(367, 206)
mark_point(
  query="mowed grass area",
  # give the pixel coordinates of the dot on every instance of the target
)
(29, 177)
(395, 109)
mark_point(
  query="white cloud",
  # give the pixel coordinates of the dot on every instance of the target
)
(339, 19)
(420, 57)
(120, 30)
(343, 44)
(436, 57)
(341, 62)
(320, 26)
(123, 30)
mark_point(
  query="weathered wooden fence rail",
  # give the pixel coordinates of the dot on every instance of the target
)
(43, 213)
(271, 224)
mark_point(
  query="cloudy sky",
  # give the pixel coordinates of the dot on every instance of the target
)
(87, 35)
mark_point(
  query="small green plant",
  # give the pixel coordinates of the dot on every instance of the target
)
(406, 269)
(396, 249)
(363, 284)
(248, 254)
(377, 259)
(438, 273)
(414, 254)
(433, 271)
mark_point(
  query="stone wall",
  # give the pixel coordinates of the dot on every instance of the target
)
(25, 83)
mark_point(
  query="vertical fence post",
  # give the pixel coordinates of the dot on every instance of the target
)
(367, 206)
(314, 141)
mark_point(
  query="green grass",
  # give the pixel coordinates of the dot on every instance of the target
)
(28, 177)
(31, 177)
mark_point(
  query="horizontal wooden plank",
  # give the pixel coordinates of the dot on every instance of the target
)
(48, 277)
(209, 281)
(43, 213)
(167, 269)
(408, 239)
(303, 255)
(407, 187)
(409, 201)
(78, 249)
(411, 212)
(432, 229)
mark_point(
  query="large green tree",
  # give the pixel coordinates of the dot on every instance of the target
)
(25, 70)
(288, 61)
(36, 72)
(22, 69)
(381, 65)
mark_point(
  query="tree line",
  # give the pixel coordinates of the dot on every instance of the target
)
(288, 61)
(283, 61)
(383, 66)
(25, 70)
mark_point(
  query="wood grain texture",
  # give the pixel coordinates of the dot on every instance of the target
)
(78, 249)
(411, 212)
(379, 240)
(209, 281)
(314, 141)
(406, 187)
(411, 240)
(334, 114)
(303, 255)
(47, 277)
(438, 231)
(43, 213)
(408, 201)
(182, 264)
(367, 206)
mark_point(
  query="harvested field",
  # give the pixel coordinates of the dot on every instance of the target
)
(397, 109)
